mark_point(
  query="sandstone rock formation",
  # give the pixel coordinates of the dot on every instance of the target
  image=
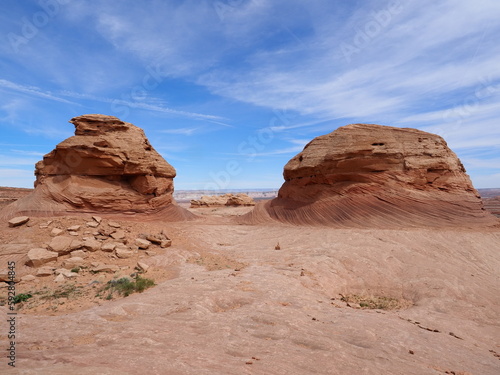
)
(376, 176)
(223, 200)
(108, 166)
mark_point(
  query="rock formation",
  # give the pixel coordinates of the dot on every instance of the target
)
(223, 200)
(108, 166)
(375, 176)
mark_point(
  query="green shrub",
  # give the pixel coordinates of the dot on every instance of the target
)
(125, 286)
(22, 297)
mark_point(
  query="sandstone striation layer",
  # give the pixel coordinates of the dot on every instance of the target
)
(376, 176)
(108, 166)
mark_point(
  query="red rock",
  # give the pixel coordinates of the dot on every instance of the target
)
(223, 200)
(108, 166)
(376, 176)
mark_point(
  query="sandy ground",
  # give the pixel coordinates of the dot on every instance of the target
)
(273, 299)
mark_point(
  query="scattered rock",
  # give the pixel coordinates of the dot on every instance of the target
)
(56, 232)
(28, 278)
(142, 243)
(46, 225)
(114, 224)
(17, 221)
(91, 244)
(74, 228)
(60, 278)
(165, 243)
(39, 256)
(97, 219)
(63, 244)
(73, 233)
(123, 252)
(92, 224)
(45, 271)
(153, 239)
(108, 246)
(65, 273)
(118, 235)
(142, 266)
(78, 254)
(105, 268)
(4, 276)
(73, 262)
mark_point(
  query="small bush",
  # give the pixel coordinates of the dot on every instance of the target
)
(376, 302)
(125, 286)
(22, 297)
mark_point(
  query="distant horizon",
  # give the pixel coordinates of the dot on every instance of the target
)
(263, 190)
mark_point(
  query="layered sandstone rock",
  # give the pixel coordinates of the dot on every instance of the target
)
(372, 175)
(108, 166)
(223, 200)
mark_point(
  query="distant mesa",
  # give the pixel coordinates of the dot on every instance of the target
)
(223, 200)
(108, 166)
(364, 175)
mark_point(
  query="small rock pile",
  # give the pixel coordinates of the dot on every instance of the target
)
(69, 248)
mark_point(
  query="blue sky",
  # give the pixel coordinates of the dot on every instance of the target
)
(229, 90)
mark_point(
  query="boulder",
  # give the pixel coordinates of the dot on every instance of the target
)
(142, 267)
(364, 175)
(40, 256)
(56, 232)
(142, 243)
(91, 244)
(123, 252)
(109, 246)
(63, 244)
(4, 276)
(17, 221)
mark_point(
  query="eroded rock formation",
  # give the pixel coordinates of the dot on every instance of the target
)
(372, 175)
(108, 166)
(223, 200)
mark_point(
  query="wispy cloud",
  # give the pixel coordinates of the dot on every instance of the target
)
(148, 104)
(180, 131)
(32, 91)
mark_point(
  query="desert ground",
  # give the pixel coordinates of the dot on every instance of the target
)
(260, 299)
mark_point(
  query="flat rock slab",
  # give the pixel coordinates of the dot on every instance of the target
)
(17, 221)
(40, 256)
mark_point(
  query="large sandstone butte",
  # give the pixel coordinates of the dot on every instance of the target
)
(365, 175)
(108, 166)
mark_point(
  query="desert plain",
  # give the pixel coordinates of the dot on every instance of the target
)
(270, 289)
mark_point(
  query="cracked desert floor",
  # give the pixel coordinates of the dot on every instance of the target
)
(264, 299)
